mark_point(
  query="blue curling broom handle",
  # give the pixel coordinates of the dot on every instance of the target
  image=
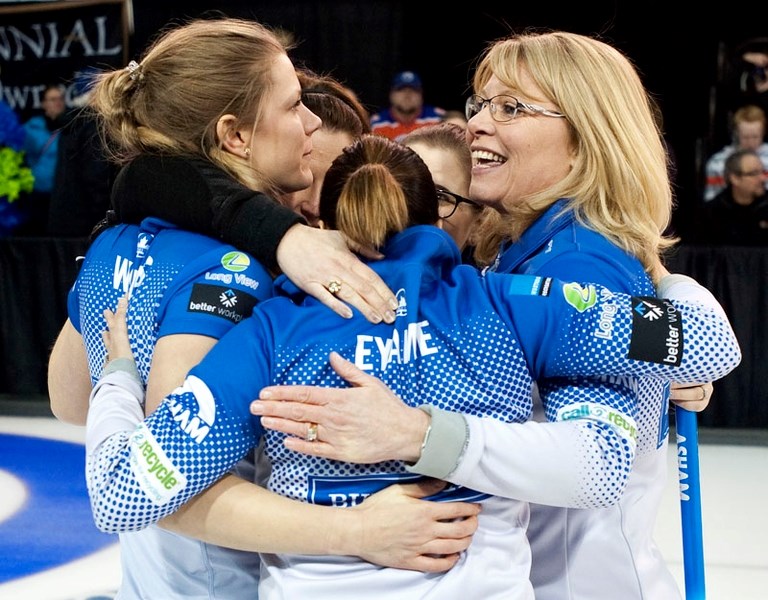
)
(690, 503)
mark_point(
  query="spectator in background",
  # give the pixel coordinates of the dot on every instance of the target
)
(738, 215)
(84, 174)
(407, 110)
(748, 133)
(755, 79)
(749, 81)
(41, 149)
(16, 179)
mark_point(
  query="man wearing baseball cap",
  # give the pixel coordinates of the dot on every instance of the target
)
(407, 110)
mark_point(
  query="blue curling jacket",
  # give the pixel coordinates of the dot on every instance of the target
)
(465, 342)
(179, 283)
(590, 552)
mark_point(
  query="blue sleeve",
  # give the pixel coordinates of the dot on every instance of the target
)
(73, 311)
(569, 329)
(194, 437)
(208, 298)
(240, 364)
(642, 336)
(559, 328)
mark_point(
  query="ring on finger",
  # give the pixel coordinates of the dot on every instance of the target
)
(334, 287)
(703, 392)
(311, 432)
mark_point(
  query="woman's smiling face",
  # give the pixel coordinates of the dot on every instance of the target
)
(516, 158)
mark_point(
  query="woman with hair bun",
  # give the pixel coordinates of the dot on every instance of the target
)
(217, 105)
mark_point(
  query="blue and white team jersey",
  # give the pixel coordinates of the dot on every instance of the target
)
(468, 343)
(179, 283)
(602, 553)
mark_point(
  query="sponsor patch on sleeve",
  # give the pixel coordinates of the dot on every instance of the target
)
(580, 297)
(603, 414)
(529, 285)
(157, 476)
(228, 303)
(657, 333)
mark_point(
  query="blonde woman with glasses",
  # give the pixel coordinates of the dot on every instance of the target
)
(567, 152)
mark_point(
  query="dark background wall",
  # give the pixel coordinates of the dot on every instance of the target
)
(364, 43)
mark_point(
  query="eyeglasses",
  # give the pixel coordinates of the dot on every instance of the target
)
(754, 173)
(449, 202)
(504, 108)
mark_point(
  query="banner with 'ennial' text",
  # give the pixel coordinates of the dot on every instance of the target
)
(54, 42)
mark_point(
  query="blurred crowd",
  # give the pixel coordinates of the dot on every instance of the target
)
(56, 175)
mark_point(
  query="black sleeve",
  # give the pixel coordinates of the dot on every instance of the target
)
(196, 195)
(97, 172)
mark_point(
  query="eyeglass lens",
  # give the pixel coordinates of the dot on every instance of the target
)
(447, 203)
(503, 108)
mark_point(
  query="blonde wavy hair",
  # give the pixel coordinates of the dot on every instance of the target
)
(619, 182)
(171, 100)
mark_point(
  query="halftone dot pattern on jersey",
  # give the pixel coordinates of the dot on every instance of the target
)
(96, 292)
(108, 516)
(652, 394)
(603, 455)
(482, 372)
(595, 349)
(201, 463)
(609, 454)
(653, 406)
(478, 370)
(172, 262)
(701, 334)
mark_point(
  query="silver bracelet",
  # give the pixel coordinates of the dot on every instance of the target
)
(426, 438)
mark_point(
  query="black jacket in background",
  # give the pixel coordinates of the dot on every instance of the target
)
(196, 195)
(727, 223)
(83, 178)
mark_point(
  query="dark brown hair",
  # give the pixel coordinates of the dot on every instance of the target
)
(336, 104)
